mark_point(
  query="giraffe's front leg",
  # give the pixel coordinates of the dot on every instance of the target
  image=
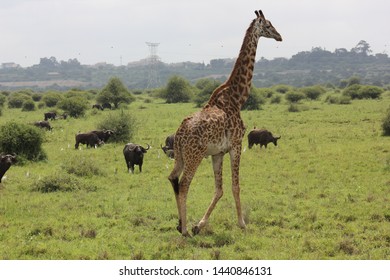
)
(235, 155)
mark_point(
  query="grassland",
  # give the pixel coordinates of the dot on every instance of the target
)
(323, 193)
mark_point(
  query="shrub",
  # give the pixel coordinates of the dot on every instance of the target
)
(313, 92)
(63, 182)
(2, 100)
(16, 100)
(37, 97)
(294, 96)
(28, 105)
(352, 91)
(82, 166)
(276, 99)
(293, 108)
(123, 123)
(282, 88)
(177, 90)
(253, 102)
(266, 92)
(23, 140)
(386, 124)
(338, 99)
(370, 92)
(74, 106)
(208, 86)
(52, 98)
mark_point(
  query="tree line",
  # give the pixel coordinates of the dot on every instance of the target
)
(317, 66)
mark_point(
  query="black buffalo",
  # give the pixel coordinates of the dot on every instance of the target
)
(5, 163)
(106, 106)
(90, 139)
(98, 106)
(50, 116)
(262, 137)
(134, 155)
(168, 148)
(104, 134)
(43, 124)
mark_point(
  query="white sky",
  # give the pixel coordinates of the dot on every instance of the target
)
(115, 31)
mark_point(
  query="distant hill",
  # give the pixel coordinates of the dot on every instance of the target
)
(305, 68)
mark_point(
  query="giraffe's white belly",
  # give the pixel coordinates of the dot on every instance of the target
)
(216, 148)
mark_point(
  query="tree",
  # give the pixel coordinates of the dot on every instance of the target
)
(362, 48)
(115, 92)
(178, 90)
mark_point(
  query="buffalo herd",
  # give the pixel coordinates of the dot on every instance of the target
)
(133, 153)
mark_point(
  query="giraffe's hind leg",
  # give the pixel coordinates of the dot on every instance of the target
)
(217, 167)
(181, 187)
(235, 155)
(174, 179)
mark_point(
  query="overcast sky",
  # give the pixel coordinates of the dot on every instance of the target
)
(115, 31)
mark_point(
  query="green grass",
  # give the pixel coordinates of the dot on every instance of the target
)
(323, 193)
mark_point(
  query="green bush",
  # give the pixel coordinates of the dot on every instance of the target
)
(16, 100)
(294, 96)
(2, 100)
(370, 92)
(357, 91)
(207, 88)
(177, 90)
(52, 98)
(338, 99)
(22, 139)
(37, 97)
(313, 92)
(276, 99)
(282, 88)
(254, 101)
(386, 124)
(293, 108)
(124, 124)
(28, 105)
(352, 91)
(81, 166)
(115, 92)
(63, 182)
(74, 106)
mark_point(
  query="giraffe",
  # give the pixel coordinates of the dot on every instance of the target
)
(218, 129)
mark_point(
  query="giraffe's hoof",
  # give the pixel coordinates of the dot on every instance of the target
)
(178, 228)
(195, 230)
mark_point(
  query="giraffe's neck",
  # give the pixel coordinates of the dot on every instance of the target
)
(239, 83)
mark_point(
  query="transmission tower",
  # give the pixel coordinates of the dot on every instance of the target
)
(153, 60)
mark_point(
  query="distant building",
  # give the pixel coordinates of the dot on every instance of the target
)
(8, 65)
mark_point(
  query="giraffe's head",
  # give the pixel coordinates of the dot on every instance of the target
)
(265, 27)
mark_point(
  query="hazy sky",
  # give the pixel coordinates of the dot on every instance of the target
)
(115, 31)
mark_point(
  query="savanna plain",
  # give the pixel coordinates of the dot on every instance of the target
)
(322, 193)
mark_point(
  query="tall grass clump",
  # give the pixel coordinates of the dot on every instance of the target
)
(22, 139)
(386, 124)
(124, 124)
(82, 166)
(63, 182)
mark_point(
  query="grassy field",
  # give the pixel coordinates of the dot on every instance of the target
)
(323, 193)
